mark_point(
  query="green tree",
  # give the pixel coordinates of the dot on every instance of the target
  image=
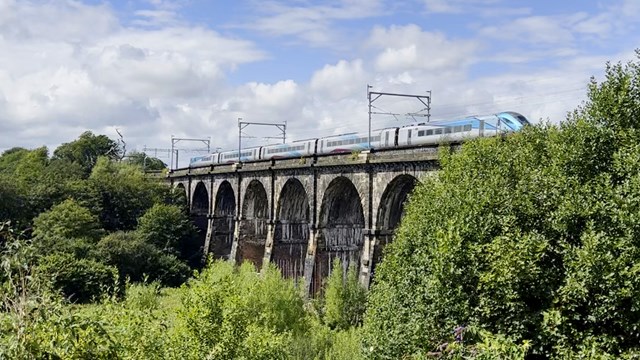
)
(68, 220)
(532, 237)
(139, 260)
(119, 194)
(87, 149)
(145, 162)
(170, 229)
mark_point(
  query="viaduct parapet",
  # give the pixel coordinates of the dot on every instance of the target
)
(300, 214)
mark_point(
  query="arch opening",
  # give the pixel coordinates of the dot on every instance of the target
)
(291, 234)
(200, 202)
(199, 212)
(340, 231)
(253, 225)
(223, 222)
(390, 212)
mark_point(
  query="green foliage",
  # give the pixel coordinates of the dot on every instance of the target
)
(169, 228)
(119, 194)
(229, 314)
(532, 237)
(79, 280)
(138, 260)
(86, 150)
(147, 163)
(67, 220)
(345, 298)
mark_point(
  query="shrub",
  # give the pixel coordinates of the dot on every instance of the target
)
(67, 220)
(79, 280)
(137, 260)
(345, 298)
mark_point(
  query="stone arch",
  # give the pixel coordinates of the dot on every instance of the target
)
(390, 212)
(223, 221)
(253, 224)
(340, 230)
(200, 200)
(291, 233)
(180, 195)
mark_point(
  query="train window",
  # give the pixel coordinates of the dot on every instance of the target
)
(421, 133)
(429, 132)
(438, 131)
(447, 130)
(467, 127)
(457, 128)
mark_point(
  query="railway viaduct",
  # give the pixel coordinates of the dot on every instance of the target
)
(300, 214)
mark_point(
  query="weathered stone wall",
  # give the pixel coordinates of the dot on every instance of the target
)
(300, 214)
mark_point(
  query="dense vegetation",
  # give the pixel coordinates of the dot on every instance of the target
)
(527, 245)
(534, 237)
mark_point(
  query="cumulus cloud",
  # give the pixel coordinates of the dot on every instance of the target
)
(409, 47)
(74, 67)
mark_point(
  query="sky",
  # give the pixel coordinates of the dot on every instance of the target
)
(155, 69)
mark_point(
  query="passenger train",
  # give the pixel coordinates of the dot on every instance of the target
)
(417, 134)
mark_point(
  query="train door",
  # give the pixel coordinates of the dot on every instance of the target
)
(409, 137)
(386, 138)
(321, 146)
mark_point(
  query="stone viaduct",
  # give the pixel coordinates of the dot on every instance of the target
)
(300, 214)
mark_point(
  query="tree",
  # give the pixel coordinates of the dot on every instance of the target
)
(145, 162)
(87, 149)
(67, 220)
(137, 259)
(119, 194)
(534, 237)
(169, 228)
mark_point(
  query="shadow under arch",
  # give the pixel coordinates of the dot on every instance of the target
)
(291, 233)
(253, 225)
(340, 231)
(223, 222)
(390, 213)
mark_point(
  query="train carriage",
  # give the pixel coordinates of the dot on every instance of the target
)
(295, 149)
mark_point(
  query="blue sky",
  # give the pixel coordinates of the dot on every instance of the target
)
(190, 68)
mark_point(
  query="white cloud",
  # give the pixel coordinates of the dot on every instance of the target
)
(313, 25)
(344, 79)
(74, 67)
(408, 47)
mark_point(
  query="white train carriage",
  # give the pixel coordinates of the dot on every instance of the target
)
(437, 132)
(295, 149)
(348, 142)
(204, 160)
(230, 157)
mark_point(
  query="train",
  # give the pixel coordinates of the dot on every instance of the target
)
(412, 135)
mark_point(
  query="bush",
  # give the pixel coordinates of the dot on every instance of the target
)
(67, 220)
(170, 229)
(345, 298)
(137, 260)
(228, 314)
(79, 280)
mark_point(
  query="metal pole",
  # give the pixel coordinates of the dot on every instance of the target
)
(171, 161)
(369, 100)
(239, 137)
(177, 158)
(284, 133)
